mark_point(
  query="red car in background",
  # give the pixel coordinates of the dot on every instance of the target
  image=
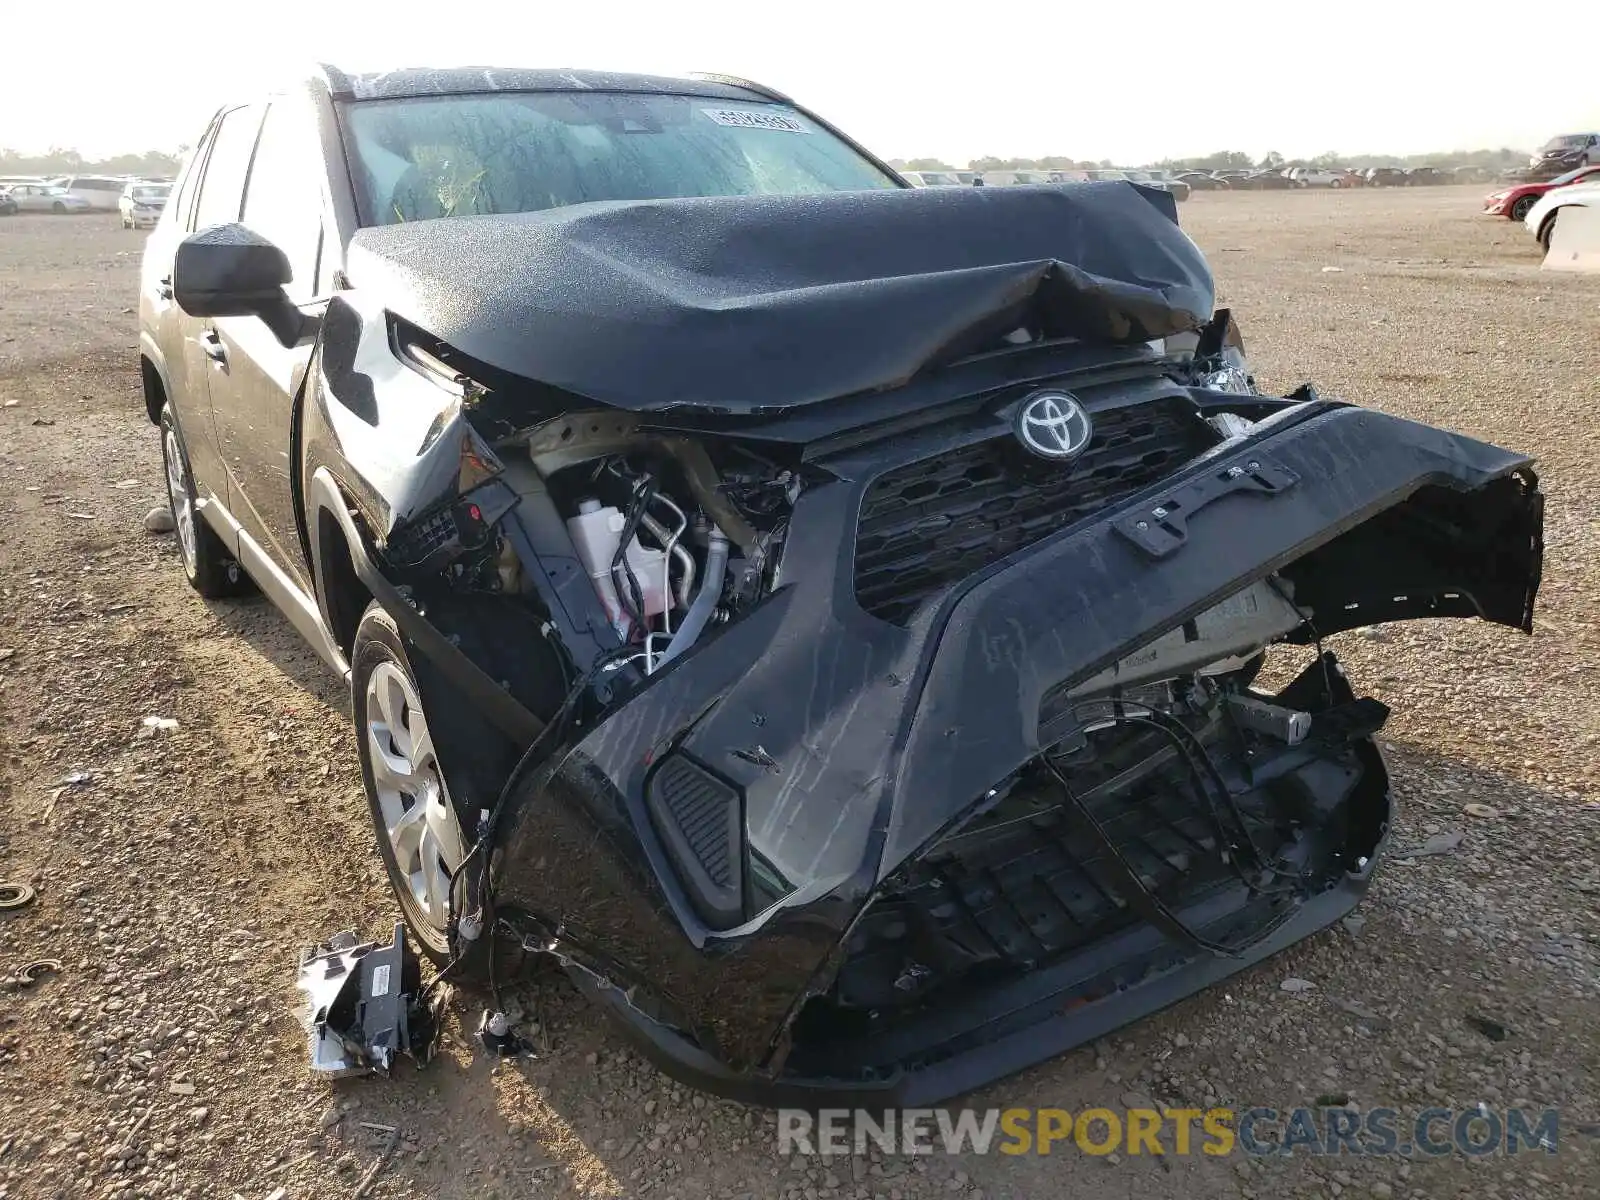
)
(1515, 201)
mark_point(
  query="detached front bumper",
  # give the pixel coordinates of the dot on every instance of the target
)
(833, 750)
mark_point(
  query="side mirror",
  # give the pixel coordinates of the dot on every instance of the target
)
(232, 271)
(228, 271)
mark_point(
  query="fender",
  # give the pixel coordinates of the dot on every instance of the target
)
(151, 350)
(498, 705)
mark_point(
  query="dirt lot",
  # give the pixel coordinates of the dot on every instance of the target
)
(178, 872)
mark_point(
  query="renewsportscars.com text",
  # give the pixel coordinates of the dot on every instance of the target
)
(1181, 1131)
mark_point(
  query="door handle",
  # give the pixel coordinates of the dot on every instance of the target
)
(164, 288)
(212, 345)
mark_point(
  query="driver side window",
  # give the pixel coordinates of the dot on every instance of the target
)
(283, 200)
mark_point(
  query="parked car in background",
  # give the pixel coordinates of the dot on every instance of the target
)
(1200, 181)
(47, 197)
(1516, 201)
(101, 192)
(931, 178)
(1426, 177)
(1386, 177)
(1014, 178)
(1566, 151)
(1270, 180)
(141, 203)
(1541, 218)
(1318, 177)
(8, 206)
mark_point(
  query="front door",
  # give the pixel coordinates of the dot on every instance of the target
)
(254, 412)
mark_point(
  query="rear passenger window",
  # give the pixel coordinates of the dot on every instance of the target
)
(222, 189)
(283, 201)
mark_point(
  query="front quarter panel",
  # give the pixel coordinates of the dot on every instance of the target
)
(394, 438)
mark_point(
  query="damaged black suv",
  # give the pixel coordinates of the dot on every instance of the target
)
(824, 616)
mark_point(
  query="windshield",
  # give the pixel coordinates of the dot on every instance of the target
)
(1569, 141)
(152, 193)
(526, 151)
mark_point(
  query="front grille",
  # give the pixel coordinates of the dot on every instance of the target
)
(929, 524)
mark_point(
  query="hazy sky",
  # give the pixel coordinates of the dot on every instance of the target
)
(1125, 81)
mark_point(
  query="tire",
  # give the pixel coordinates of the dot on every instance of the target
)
(1548, 230)
(58, 208)
(412, 813)
(207, 565)
(1335, 184)
(1519, 211)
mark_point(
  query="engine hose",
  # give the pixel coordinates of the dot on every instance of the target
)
(705, 603)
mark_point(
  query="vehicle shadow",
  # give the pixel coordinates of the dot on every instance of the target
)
(256, 620)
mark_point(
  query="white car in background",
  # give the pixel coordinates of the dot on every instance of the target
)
(1541, 218)
(1316, 177)
(141, 203)
(932, 178)
(47, 197)
(98, 191)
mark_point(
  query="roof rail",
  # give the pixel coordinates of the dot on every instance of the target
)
(749, 85)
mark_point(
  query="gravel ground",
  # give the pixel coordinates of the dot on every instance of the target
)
(179, 871)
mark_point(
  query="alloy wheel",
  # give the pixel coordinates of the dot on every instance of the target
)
(180, 497)
(417, 815)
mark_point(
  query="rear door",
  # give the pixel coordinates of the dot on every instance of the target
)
(253, 398)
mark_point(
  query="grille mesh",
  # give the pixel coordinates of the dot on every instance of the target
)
(929, 524)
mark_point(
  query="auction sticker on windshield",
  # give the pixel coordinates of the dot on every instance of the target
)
(744, 118)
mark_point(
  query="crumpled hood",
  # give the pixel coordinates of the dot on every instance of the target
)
(751, 303)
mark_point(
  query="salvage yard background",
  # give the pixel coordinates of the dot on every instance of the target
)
(179, 870)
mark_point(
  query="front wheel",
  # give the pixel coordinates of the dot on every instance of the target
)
(1548, 230)
(419, 834)
(58, 208)
(1519, 210)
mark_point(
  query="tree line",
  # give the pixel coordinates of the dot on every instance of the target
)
(61, 161)
(1234, 160)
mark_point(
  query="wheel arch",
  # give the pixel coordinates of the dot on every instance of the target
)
(1546, 223)
(153, 378)
(341, 595)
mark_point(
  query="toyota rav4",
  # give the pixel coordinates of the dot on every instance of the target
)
(825, 616)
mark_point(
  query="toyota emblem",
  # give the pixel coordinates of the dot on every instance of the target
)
(1053, 425)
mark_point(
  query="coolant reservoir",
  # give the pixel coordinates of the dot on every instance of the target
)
(596, 533)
